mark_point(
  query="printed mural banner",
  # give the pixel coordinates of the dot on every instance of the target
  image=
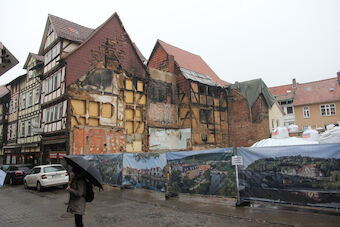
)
(109, 166)
(303, 174)
(145, 170)
(207, 172)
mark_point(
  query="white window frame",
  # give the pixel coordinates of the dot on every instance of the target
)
(50, 84)
(30, 98)
(58, 78)
(56, 114)
(30, 74)
(306, 112)
(51, 114)
(29, 128)
(46, 86)
(327, 109)
(36, 122)
(37, 95)
(22, 129)
(60, 110)
(47, 115)
(23, 101)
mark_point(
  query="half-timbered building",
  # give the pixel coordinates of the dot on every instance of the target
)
(60, 37)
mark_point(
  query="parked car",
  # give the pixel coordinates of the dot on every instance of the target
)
(47, 176)
(15, 173)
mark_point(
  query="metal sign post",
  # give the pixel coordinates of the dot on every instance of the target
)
(236, 161)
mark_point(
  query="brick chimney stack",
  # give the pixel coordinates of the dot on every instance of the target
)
(171, 63)
(294, 83)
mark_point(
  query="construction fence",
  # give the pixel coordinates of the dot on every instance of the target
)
(301, 175)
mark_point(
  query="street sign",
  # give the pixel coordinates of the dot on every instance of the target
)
(237, 160)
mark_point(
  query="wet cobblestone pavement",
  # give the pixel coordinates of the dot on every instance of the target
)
(136, 207)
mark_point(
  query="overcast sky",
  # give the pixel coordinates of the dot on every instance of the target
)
(275, 40)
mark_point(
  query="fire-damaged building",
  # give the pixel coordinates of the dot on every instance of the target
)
(106, 92)
(97, 96)
(209, 111)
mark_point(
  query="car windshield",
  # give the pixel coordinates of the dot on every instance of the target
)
(53, 169)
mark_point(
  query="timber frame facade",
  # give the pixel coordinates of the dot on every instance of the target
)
(98, 97)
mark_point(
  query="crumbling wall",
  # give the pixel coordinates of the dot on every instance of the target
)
(208, 116)
(97, 140)
(247, 125)
(162, 109)
(109, 101)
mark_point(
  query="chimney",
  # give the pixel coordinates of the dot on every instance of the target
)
(294, 83)
(171, 63)
(338, 74)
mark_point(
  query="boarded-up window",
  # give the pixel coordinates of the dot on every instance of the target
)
(107, 110)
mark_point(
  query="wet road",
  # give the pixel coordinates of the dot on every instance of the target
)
(135, 207)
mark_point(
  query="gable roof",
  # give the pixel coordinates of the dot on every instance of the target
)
(35, 56)
(317, 92)
(65, 29)
(252, 89)
(190, 61)
(128, 64)
(284, 92)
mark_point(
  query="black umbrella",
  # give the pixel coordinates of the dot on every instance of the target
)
(91, 173)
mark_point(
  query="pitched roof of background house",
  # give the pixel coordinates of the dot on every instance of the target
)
(66, 29)
(284, 92)
(192, 62)
(3, 91)
(36, 56)
(317, 92)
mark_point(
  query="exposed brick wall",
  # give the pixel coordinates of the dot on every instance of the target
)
(246, 128)
(83, 59)
(90, 140)
(159, 59)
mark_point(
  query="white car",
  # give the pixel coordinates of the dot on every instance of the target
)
(46, 176)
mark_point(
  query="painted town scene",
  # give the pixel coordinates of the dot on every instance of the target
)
(293, 179)
(202, 173)
(145, 170)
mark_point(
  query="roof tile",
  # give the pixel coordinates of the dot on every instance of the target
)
(317, 92)
(69, 30)
(190, 61)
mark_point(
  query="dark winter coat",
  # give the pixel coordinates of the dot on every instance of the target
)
(77, 201)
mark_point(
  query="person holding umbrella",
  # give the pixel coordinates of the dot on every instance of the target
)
(76, 188)
(82, 172)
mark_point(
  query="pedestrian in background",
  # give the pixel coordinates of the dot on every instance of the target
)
(77, 203)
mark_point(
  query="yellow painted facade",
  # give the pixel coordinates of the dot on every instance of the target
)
(316, 120)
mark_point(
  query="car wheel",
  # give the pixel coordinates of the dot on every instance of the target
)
(39, 188)
(25, 185)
